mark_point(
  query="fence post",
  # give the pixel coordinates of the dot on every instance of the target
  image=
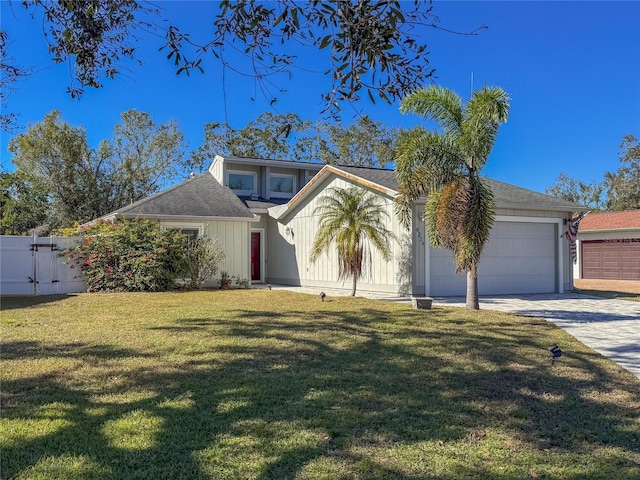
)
(34, 257)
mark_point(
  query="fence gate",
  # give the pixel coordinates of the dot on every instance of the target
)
(33, 266)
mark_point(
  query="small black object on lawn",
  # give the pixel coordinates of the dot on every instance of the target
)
(322, 296)
(555, 352)
(269, 286)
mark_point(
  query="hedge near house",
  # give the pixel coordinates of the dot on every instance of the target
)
(129, 255)
(203, 257)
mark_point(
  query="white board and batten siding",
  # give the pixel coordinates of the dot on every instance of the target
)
(217, 169)
(290, 246)
(234, 237)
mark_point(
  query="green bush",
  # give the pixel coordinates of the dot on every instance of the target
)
(129, 255)
(243, 283)
(202, 256)
(225, 280)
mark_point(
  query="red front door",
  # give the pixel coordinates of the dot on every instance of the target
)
(255, 256)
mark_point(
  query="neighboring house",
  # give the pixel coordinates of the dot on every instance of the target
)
(609, 246)
(262, 213)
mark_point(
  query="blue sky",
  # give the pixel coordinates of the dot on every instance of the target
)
(572, 69)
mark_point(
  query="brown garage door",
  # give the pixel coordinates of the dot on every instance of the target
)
(611, 259)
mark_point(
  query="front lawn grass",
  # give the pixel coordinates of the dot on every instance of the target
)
(266, 384)
(634, 297)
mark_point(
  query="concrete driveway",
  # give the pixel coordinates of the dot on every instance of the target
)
(610, 326)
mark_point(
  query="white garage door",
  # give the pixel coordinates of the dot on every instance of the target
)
(518, 258)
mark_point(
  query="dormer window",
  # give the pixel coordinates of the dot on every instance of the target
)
(243, 183)
(282, 186)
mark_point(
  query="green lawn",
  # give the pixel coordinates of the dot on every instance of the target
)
(634, 297)
(259, 384)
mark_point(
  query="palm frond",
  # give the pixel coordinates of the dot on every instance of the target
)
(478, 223)
(459, 217)
(444, 213)
(491, 104)
(436, 103)
(351, 219)
(487, 109)
(425, 161)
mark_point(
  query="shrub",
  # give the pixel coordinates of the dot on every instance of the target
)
(202, 256)
(225, 280)
(243, 283)
(129, 255)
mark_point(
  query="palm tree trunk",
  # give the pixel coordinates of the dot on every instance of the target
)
(353, 290)
(473, 302)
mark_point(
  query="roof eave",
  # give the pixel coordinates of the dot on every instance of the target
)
(272, 163)
(372, 185)
(280, 211)
(195, 218)
(612, 230)
(537, 206)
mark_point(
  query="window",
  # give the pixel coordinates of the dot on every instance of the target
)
(282, 185)
(191, 233)
(243, 183)
(191, 230)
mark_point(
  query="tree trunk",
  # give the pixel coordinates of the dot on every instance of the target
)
(353, 291)
(473, 302)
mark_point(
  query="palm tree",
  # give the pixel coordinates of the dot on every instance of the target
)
(445, 166)
(352, 219)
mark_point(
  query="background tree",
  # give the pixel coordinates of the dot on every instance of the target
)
(269, 136)
(59, 174)
(143, 156)
(352, 219)
(23, 206)
(365, 143)
(445, 166)
(372, 49)
(620, 190)
(624, 184)
(577, 191)
(53, 158)
(285, 136)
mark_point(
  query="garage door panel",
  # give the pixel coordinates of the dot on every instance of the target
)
(519, 257)
(615, 259)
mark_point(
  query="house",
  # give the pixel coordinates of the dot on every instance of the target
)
(262, 212)
(608, 246)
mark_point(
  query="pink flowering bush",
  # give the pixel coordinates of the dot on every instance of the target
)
(128, 255)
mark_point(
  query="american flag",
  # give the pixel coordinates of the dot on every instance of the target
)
(572, 233)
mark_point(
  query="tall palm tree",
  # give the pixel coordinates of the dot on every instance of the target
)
(445, 166)
(352, 219)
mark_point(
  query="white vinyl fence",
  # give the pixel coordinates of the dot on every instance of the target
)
(33, 266)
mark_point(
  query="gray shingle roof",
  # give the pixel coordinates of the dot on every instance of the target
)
(384, 178)
(262, 204)
(505, 194)
(200, 196)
